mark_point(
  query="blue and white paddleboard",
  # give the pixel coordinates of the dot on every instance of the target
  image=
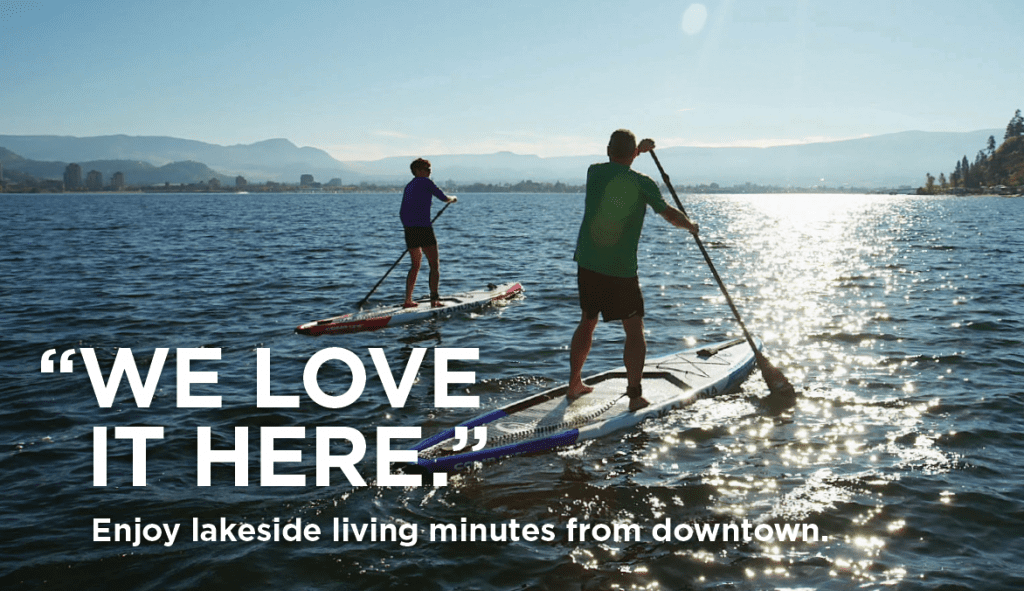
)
(548, 420)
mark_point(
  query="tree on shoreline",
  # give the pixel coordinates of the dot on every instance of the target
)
(1016, 126)
(1003, 165)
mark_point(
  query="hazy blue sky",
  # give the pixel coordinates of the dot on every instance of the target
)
(364, 80)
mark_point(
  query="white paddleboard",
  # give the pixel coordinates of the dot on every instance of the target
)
(548, 420)
(379, 318)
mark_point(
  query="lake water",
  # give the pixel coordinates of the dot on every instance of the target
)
(898, 318)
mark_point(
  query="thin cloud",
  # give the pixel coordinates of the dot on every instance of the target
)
(758, 143)
(393, 134)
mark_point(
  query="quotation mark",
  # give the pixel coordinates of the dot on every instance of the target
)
(461, 441)
(462, 438)
(66, 364)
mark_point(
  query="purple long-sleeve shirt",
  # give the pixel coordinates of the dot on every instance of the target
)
(416, 202)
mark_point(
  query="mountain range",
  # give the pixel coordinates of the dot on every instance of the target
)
(891, 160)
(140, 173)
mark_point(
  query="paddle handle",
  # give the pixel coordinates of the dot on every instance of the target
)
(711, 265)
(395, 264)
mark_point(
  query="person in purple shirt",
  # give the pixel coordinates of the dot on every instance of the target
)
(419, 234)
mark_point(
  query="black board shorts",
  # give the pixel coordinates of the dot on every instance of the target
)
(419, 236)
(615, 298)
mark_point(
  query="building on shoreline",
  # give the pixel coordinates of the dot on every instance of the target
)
(73, 176)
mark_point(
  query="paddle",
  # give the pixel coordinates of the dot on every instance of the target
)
(363, 301)
(778, 385)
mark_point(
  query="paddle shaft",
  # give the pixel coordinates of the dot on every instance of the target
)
(711, 265)
(363, 301)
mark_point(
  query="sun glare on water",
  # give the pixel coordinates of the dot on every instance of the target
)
(810, 247)
(817, 276)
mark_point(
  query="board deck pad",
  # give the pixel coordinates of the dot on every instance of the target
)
(560, 414)
(378, 318)
(548, 420)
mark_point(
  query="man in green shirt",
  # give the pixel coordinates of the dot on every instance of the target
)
(617, 199)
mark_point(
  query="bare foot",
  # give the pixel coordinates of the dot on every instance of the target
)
(636, 398)
(577, 390)
(410, 304)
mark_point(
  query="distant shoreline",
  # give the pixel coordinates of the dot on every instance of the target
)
(682, 190)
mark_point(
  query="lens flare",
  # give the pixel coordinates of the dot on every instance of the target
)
(694, 18)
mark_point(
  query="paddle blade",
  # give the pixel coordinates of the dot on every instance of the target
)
(781, 389)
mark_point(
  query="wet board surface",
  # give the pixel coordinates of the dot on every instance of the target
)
(548, 420)
(385, 316)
